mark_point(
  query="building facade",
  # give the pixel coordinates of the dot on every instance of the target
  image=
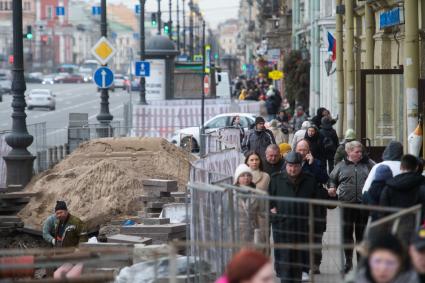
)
(311, 22)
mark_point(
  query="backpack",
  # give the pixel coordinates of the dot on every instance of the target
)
(328, 144)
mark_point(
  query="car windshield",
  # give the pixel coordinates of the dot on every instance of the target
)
(39, 92)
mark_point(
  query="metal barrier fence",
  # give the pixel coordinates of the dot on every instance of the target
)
(305, 235)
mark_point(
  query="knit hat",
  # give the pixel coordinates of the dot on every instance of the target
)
(383, 172)
(386, 241)
(242, 168)
(259, 120)
(273, 123)
(305, 125)
(60, 205)
(350, 134)
(284, 148)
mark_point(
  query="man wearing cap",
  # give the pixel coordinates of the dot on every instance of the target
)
(290, 219)
(63, 229)
(258, 139)
(417, 253)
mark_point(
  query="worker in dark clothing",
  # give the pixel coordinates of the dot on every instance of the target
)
(258, 139)
(289, 219)
(63, 229)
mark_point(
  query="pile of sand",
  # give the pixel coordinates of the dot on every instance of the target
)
(102, 179)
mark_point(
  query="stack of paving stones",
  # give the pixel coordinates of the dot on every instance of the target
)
(12, 200)
(160, 230)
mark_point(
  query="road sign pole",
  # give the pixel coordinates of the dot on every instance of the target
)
(104, 117)
(142, 96)
(202, 149)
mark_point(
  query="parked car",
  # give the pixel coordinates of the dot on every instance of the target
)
(5, 83)
(119, 81)
(33, 80)
(70, 78)
(43, 98)
(189, 138)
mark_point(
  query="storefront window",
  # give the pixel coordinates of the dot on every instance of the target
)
(385, 112)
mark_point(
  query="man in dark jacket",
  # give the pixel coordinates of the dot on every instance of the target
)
(258, 139)
(274, 162)
(273, 102)
(63, 229)
(290, 219)
(330, 142)
(313, 167)
(405, 190)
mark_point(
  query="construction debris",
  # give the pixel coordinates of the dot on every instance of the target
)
(102, 180)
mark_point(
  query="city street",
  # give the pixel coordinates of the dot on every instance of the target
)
(70, 98)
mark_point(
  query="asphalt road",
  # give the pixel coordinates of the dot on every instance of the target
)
(70, 98)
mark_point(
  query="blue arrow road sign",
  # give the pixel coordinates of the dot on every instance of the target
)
(143, 69)
(60, 11)
(137, 9)
(103, 77)
(96, 10)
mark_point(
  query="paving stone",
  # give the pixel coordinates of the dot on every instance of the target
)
(156, 193)
(155, 204)
(169, 184)
(152, 210)
(145, 199)
(147, 188)
(178, 194)
(155, 221)
(139, 229)
(129, 239)
(144, 214)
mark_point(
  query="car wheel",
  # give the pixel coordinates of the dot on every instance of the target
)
(189, 144)
(52, 108)
(29, 108)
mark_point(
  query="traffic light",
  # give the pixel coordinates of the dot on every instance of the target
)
(29, 32)
(167, 28)
(153, 20)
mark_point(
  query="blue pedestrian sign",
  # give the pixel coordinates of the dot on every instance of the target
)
(103, 77)
(60, 11)
(143, 69)
(96, 10)
(137, 9)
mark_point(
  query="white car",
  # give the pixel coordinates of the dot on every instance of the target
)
(119, 81)
(43, 98)
(190, 137)
(48, 79)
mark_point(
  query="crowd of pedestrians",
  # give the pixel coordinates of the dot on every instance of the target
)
(289, 155)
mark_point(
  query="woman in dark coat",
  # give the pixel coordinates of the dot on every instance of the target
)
(330, 142)
(312, 135)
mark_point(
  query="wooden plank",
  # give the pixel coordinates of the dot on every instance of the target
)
(16, 195)
(9, 218)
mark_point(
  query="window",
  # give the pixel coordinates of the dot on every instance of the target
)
(49, 12)
(27, 6)
(1, 5)
(219, 122)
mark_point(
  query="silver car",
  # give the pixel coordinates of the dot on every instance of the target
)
(42, 98)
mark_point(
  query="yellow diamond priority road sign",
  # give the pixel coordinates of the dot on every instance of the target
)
(103, 50)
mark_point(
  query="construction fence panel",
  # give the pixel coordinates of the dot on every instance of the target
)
(301, 235)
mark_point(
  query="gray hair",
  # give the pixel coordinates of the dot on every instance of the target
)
(350, 146)
(273, 147)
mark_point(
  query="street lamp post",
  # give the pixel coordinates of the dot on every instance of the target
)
(104, 117)
(184, 27)
(159, 17)
(142, 100)
(191, 30)
(19, 161)
(170, 21)
(202, 150)
(178, 26)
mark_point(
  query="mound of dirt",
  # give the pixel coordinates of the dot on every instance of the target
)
(102, 179)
